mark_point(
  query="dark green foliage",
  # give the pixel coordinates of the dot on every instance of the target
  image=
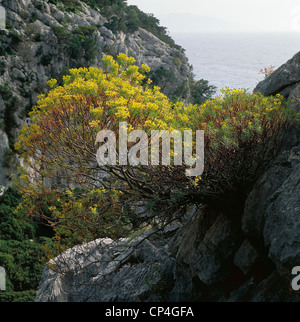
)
(162, 77)
(8, 25)
(22, 262)
(8, 115)
(83, 46)
(180, 91)
(45, 60)
(34, 17)
(2, 66)
(60, 32)
(68, 5)
(85, 30)
(24, 92)
(116, 24)
(21, 251)
(38, 5)
(81, 42)
(201, 91)
(11, 227)
(5, 50)
(132, 20)
(2, 51)
(25, 296)
(5, 91)
(11, 102)
(15, 37)
(39, 37)
(105, 5)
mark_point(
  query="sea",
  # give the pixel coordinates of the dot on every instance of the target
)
(234, 60)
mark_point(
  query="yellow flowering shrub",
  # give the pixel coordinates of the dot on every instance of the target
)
(62, 183)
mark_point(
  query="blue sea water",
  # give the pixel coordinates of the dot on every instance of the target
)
(234, 60)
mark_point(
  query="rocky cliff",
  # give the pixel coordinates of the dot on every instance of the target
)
(208, 256)
(43, 41)
(285, 81)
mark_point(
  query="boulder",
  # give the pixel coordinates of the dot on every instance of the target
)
(285, 81)
(246, 257)
(108, 271)
(272, 211)
(205, 245)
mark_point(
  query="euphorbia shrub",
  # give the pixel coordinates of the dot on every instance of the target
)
(63, 184)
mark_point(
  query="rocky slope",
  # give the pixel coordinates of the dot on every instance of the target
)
(36, 47)
(208, 257)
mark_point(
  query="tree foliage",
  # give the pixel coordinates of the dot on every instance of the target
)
(201, 91)
(81, 42)
(21, 250)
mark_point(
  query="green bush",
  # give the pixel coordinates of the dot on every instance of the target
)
(162, 77)
(2, 65)
(61, 33)
(34, 17)
(133, 21)
(2, 51)
(83, 44)
(11, 105)
(25, 296)
(80, 43)
(12, 228)
(68, 5)
(201, 91)
(15, 37)
(23, 263)
(177, 62)
(39, 37)
(5, 91)
(85, 30)
(22, 251)
(38, 5)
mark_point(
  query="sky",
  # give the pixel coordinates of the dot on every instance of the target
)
(240, 15)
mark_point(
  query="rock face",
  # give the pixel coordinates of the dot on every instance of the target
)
(34, 49)
(273, 207)
(285, 81)
(205, 260)
(210, 257)
(109, 271)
